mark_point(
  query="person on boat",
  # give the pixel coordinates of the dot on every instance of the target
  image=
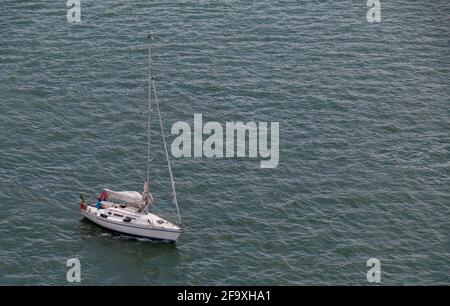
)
(98, 204)
(104, 196)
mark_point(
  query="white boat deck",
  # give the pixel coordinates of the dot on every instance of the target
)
(117, 213)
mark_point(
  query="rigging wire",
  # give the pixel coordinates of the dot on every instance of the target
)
(167, 153)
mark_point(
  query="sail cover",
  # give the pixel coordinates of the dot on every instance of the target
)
(131, 197)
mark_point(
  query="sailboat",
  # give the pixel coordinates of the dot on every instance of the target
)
(128, 212)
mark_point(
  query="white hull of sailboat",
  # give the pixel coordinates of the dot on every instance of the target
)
(149, 232)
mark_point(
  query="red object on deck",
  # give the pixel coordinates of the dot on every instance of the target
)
(103, 196)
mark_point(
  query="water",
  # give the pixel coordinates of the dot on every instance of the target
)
(364, 140)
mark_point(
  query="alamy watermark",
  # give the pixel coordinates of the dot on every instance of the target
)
(74, 11)
(230, 141)
(73, 275)
(374, 12)
(374, 273)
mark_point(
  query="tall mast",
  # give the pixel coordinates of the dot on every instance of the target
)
(149, 113)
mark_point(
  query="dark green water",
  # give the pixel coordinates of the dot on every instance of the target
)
(364, 115)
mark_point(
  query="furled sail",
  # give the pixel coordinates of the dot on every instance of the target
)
(133, 198)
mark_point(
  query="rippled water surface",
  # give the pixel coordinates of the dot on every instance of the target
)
(364, 140)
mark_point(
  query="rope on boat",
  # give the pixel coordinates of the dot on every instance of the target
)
(167, 153)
